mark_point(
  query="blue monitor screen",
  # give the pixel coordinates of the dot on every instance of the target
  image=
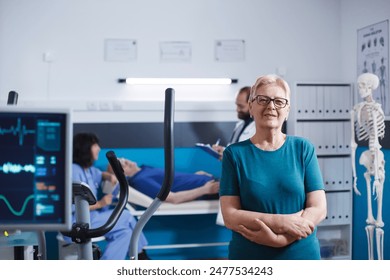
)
(35, 166)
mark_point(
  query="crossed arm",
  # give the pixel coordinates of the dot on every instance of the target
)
(275, 230)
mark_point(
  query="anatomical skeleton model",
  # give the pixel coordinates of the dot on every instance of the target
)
(370, 126)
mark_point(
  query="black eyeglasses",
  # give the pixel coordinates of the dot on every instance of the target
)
(263, 100)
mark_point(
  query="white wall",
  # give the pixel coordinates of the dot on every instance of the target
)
(301, 36)
(314, 40)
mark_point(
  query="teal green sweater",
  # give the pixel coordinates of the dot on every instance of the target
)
(271, 182)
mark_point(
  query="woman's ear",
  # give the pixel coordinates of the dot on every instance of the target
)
(250, 109)
(288, 112)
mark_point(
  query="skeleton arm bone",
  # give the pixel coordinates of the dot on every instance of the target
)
(376, 147)
(353, 151)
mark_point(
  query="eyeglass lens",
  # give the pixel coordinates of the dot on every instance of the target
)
(265, 100)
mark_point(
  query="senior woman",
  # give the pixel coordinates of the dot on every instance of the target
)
(271, 191)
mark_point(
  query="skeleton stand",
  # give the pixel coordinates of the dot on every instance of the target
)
(370, 125)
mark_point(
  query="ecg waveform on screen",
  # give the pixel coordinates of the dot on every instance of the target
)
(19, 130)
(15, 168)
(14, 211)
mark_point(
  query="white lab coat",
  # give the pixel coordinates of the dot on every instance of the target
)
(247, 133)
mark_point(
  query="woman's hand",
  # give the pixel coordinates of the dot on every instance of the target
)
(106, 200)
(294, 225)
(109, 177)
(211, 187)
(264, 235)
(113, 180)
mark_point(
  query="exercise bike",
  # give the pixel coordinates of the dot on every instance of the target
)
(82, 235)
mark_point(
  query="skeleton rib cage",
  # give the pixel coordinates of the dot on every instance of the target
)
(364, 125)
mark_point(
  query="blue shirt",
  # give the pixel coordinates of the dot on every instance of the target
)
(92, 176)
(273, 182)
(118, 238)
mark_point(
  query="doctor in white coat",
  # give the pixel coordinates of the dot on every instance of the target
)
(245, 128)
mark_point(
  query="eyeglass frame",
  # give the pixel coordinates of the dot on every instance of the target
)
(269, 100)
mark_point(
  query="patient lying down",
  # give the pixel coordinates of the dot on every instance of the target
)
(185, 186)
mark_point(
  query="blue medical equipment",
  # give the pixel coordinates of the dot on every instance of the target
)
(33, 170)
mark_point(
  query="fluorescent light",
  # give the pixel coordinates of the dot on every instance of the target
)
(178, 81)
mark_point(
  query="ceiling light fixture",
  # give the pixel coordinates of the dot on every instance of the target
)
(178, 81)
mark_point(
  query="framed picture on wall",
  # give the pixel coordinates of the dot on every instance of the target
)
(230, 50)
(373, 57)
(120, 50)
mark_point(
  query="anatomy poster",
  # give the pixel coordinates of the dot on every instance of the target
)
(373, 57)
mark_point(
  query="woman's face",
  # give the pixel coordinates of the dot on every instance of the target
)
(268, 116)
(129, 167)
(95, 150)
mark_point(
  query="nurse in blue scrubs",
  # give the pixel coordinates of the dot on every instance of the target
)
(85, 152)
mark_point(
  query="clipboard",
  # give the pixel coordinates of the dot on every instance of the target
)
(208, 149)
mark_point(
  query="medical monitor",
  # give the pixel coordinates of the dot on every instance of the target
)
(35, 168)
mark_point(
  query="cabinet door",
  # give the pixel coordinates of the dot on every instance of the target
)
(333, 173)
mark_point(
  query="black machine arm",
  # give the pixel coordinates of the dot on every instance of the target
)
(168, 144)
(12, 98)
(168, 176)
(80, 233)
(123, 197)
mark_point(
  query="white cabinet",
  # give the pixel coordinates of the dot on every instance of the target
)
(321, 113)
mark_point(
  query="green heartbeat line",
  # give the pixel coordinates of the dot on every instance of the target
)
(16, 213)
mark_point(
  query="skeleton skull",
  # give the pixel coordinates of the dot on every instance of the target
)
(367, 82)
